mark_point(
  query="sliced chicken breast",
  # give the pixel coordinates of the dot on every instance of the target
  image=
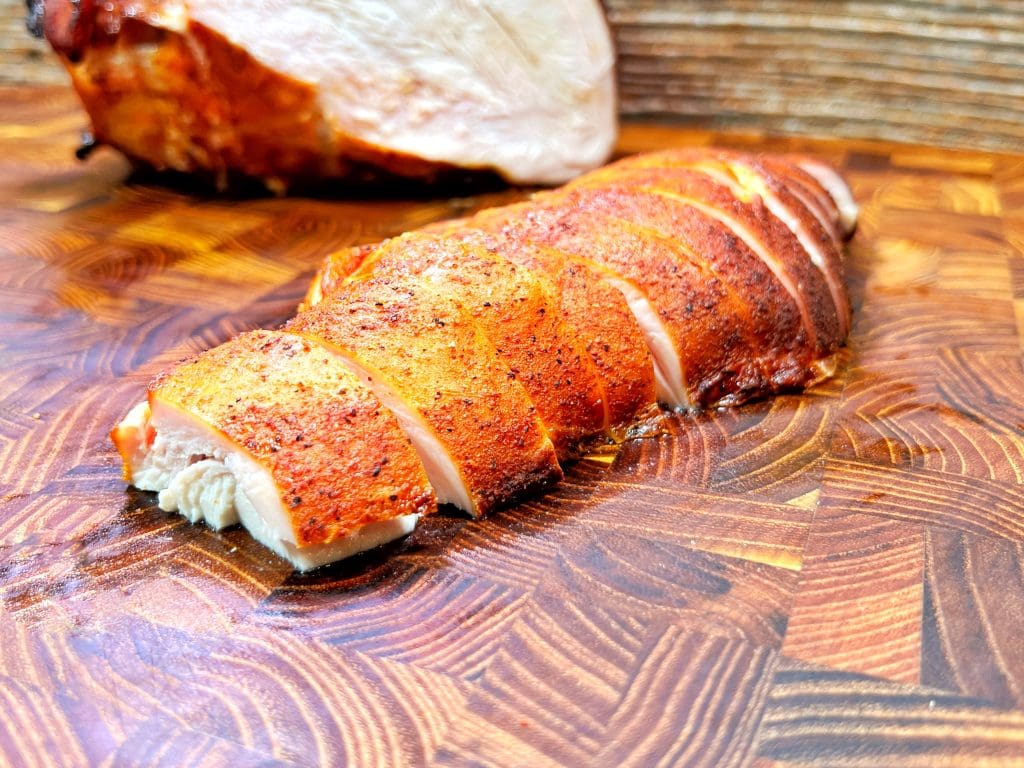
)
(474, 426)
(463, 355)
(515, 309)
(750, 180)
(276, 433)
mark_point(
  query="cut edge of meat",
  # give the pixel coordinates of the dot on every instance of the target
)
(670, 380)
(159, 445)
(619, 400)
(447, 480)
(670, 383)
(837, 189)
(808, 191)
(282, 459)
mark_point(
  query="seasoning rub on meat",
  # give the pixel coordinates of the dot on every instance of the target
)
(465, 363)
(289, 91)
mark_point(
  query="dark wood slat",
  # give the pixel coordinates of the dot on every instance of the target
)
(937, 73)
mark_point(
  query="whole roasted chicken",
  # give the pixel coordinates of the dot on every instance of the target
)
(464, 363)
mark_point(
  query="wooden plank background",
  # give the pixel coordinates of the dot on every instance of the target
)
(940, 73)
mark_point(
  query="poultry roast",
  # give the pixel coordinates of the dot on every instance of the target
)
(465, 363)
(289, 91)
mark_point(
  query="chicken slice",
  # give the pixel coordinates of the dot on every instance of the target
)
(750, 181)
(474, 426)
(276, 433)
(592, 311)
(696, 195)
(598, 315)
(515, 310)
(623, 259)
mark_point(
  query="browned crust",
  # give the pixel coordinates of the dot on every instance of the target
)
(338, 457)
(828, 240)
(681, 185)
(801, 194)
(783, 169)
(592, 310)
(804, 194)
(193, 101)
(738, 332)
(515, 309)
(596, 313)
(668, 223)
(431, 353)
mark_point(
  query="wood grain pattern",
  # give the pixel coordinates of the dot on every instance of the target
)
(973, 617)
(943, 74)
(820, 716)
(826, 579)
(859, 603)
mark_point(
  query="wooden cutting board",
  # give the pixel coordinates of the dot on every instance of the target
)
(834, 578)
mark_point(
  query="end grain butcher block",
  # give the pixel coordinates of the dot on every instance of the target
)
(829, 578)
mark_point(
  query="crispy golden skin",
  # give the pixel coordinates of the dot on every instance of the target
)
(515, 309)
(432, 355)
(594, 312)
(591, 310)
(337, 456)
(738, 333)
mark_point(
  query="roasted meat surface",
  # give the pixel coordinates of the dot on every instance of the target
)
(421, 350)
(465, 363)
(290, 91)
(282, 436)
